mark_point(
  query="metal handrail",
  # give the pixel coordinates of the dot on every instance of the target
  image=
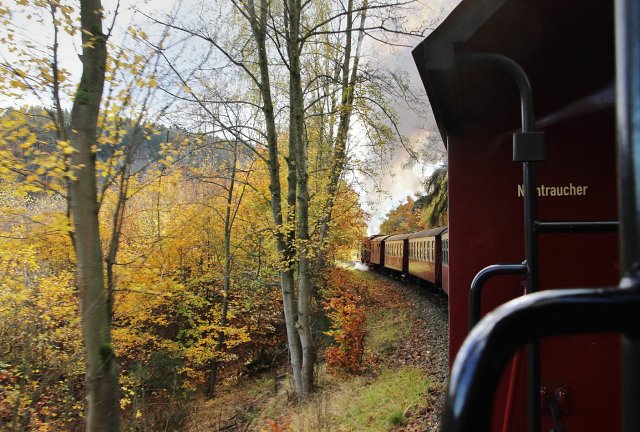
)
(477, 286)
(484, 354)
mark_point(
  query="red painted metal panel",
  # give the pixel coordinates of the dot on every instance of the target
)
(485, 211)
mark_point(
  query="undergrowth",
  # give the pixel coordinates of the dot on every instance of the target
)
(375, 399)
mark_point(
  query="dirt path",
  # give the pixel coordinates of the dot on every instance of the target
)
(425, 346)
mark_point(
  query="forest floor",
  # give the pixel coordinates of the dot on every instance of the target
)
(401, 389)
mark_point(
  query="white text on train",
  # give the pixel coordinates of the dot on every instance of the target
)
(557, 191)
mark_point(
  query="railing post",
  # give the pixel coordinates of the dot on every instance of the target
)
(628, 129)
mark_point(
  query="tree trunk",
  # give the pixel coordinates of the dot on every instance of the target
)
(298, 150)
(284, 240)
(229, 217)
(102, 375)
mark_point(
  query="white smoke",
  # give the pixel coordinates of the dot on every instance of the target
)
(416, 124)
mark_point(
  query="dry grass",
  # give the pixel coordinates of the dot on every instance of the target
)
(374, 402)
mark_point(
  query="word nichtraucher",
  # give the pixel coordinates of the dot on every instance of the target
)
(557, 191)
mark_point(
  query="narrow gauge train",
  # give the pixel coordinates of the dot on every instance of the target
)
(421, 255)
(541, 201)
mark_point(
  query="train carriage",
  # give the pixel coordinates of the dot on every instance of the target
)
(539, 210)
(395, 247)
(377, 250)
(425, 255)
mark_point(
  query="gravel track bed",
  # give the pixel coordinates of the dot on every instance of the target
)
(427, 347)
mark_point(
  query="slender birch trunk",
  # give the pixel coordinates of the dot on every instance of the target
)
(284, 235)
(298, 150)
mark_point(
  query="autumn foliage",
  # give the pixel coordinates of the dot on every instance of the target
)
(404, 218)
(191, 269)
(347, 315)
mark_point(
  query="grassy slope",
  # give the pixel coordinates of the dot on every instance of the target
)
(375, 401)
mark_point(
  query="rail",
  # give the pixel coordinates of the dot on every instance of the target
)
(483, 356)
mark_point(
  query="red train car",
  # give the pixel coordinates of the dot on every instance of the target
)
(566, 49)
(425, 255)
(395, 256)
(377, 250)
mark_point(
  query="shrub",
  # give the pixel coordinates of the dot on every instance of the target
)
(347, 323)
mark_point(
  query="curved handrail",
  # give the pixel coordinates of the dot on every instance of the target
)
(502, 332)
(477, 286)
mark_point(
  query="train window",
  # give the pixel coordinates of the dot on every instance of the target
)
(447, 250)
(444, 252)
(428, 251)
